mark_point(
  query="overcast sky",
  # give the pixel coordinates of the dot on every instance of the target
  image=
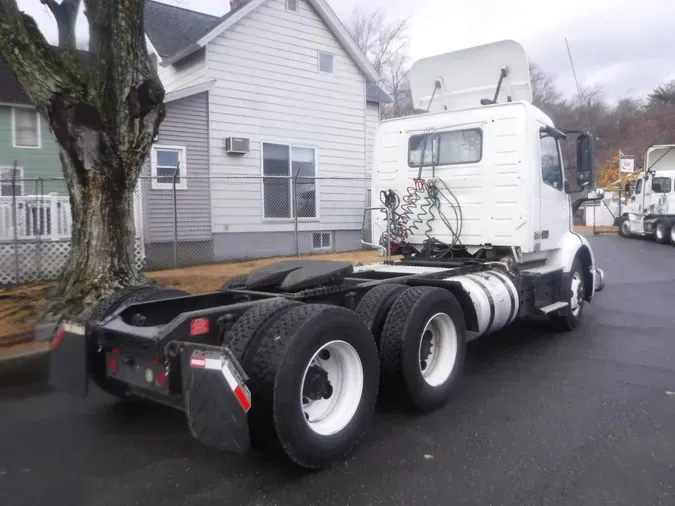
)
(624, 45)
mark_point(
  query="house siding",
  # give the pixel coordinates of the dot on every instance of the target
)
(36, 163)
(372, 120)
(268, 89)
(189, 71)
(186, 124)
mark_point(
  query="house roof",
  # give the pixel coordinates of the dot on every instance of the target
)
(11, 91)
(171, 29)
(177, 32)
(375, 94)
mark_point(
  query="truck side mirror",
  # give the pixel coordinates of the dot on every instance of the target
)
(627, 188)
(585, 153)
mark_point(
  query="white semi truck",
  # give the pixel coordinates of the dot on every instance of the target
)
(471, 197)
(651, 210)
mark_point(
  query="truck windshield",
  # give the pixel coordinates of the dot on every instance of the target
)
(662, 184)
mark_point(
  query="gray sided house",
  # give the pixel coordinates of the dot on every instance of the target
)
(182, 143)
(271, 90)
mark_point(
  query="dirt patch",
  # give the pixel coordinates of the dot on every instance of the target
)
(211, 277)
(598, 228)
(20, 307)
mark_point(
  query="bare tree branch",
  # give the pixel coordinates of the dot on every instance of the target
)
(385, 43)
(65, 14)
(40, 69)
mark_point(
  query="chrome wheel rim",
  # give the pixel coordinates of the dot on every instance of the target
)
(438, 349)
(332, 386)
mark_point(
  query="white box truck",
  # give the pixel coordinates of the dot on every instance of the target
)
(651, 210)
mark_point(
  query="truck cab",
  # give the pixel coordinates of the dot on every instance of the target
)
(494, 163)
(651, 208)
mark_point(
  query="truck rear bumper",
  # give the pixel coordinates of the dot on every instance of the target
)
(214, 397)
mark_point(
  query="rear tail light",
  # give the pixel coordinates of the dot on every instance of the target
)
(112, 365)
(160, 379)
(58, 337)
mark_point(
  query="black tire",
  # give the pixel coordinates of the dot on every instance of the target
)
(238, 281)
(623, 224)
(400, 347)
(661, 231)
(245, 335)
(278, 370)
(126, 296)
(375, 305)
(672, 234)
(110, 304)
(566, 320)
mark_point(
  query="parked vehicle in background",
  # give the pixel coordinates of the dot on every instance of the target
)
(293, 356)
(651, 210)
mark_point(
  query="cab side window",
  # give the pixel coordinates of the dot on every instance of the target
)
(551, 168)
(638, 187)
(662, 184)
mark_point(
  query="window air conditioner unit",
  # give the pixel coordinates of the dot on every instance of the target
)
(236, 145)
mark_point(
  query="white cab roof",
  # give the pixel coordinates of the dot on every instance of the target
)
(469, 75)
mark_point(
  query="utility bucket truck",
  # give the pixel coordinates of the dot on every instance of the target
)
(651, 210)
(471, 197)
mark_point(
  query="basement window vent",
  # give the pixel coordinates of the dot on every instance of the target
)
(292, 5)
(321, 240)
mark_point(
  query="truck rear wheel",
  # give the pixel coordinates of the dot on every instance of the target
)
(245, 336)
(661, 233)
(672, 234)
(105, 308)
(422, 348)
(315, 381)
(375, 305)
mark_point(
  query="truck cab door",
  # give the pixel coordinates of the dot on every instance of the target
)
(554, 202)
(637, 207)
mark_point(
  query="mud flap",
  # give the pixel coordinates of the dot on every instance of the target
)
(216, 397)
(68, 360)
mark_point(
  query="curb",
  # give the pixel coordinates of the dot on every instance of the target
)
(24, 357)
(23, 364)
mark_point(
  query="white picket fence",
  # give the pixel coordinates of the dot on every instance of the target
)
(42, 217)
(35, 240)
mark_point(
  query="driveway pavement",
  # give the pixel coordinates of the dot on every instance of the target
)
(586, 418)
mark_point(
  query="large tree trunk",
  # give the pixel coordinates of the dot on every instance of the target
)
(102, 255)
(104, 114)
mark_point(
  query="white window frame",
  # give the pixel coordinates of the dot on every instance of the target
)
(19, 183)
(290, 146)
(183, 167)
(318, 62)
(322, 247)
(297, 6)
(39, 128)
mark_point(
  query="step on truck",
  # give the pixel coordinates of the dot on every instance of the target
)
(650, 211)
(471, 198)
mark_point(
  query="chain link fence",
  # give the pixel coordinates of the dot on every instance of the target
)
(192, 220)
(187, 221)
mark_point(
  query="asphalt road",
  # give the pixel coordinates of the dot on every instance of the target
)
(580, 419)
